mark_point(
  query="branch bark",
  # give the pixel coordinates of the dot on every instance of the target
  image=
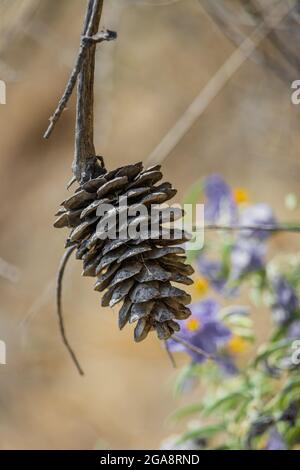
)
(85, 154)
(85, 161)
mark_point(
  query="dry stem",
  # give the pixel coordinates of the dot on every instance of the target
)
(193, 348)
(61, 271)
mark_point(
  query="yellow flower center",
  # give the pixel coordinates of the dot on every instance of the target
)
(193, 324)
(236, 345)
(201, 285)
(240, 195)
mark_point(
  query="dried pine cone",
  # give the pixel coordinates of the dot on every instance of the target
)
(137, 271)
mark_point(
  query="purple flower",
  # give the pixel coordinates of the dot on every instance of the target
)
(213, 272)
(257, 214)
(219, 201)
(227, 364)
(275, 441)
(294, 330)
(286, 301)
(246, 256)
(202, 329)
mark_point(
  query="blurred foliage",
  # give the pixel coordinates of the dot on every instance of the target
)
(257, 404)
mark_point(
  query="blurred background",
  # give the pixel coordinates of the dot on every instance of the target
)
(181, 85)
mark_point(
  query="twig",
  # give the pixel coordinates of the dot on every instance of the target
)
(73, 77)
(60, 275)
(263, 228)
(193, 348)
(216, 84)
(87, 40)
(170, 355)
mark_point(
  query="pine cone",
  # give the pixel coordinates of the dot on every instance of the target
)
(137, 271)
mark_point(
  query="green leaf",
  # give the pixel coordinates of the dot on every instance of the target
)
(202, 432)
(279, 334)
(255, 295)
(292, 435)
(228, 401)
(291, 201)
(185, 373)
(269, 349)
(192, 198)
(241, 414)
(290, 392)
(191, 255)
(193, 195)
(230, 446)
(238, 320)
(244, 333)
(187, 411)
(226, 261)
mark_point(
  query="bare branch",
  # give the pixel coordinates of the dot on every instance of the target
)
(84, 132)
(87, 41)
(68, 91)
(85, 164)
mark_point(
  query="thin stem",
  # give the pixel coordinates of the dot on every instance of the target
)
(170, 355)
(88, 40)
(193, 348)
(77, 68)
(263, 228)
(68, 90)
(59, 283)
